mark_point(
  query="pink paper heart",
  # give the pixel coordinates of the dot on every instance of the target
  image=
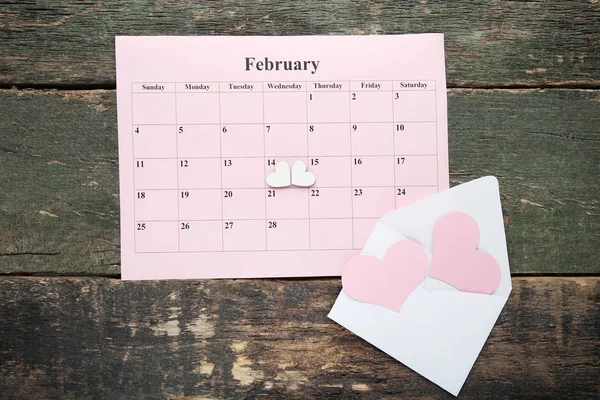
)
(386, 282)
(456, 259)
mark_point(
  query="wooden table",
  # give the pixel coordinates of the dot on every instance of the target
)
(524, 105)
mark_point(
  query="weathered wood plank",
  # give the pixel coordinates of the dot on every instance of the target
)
(59, 182)
(99, 338)
(59, 197)
(489, 43)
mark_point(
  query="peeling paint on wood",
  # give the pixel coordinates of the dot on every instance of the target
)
(102, 338)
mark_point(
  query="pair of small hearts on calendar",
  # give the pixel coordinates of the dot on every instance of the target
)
(455, 260)
(296, 176)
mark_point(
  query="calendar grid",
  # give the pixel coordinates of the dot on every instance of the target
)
(395, 155)
(291, 156)
(351, 168)
(178, 188)
(221, 172)
(262, 219)
(237, 251)
(133, 84)
(135, 227)
(306, 100)
(368, 187)
(291, 123)
(265, 161)
(261, 188)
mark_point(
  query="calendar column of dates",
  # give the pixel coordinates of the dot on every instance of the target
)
(415, 140)
(286, 139)
(199, 163)
(372, 155)
(155, 167)
(329, 153)
(242, 166)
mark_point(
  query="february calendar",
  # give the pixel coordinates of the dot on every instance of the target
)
(272, 156)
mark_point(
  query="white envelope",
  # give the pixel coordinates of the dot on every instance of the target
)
(440, 330)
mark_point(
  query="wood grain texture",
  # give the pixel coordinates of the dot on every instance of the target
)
(59, 202)
(74, 338)
(488, 43)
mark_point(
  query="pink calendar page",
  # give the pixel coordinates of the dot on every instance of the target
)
(204, 120)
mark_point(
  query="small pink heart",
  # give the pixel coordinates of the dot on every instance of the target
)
(389, 282)
(456, 259)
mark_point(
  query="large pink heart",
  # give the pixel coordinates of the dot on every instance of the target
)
(389, 282)
(456, 259)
